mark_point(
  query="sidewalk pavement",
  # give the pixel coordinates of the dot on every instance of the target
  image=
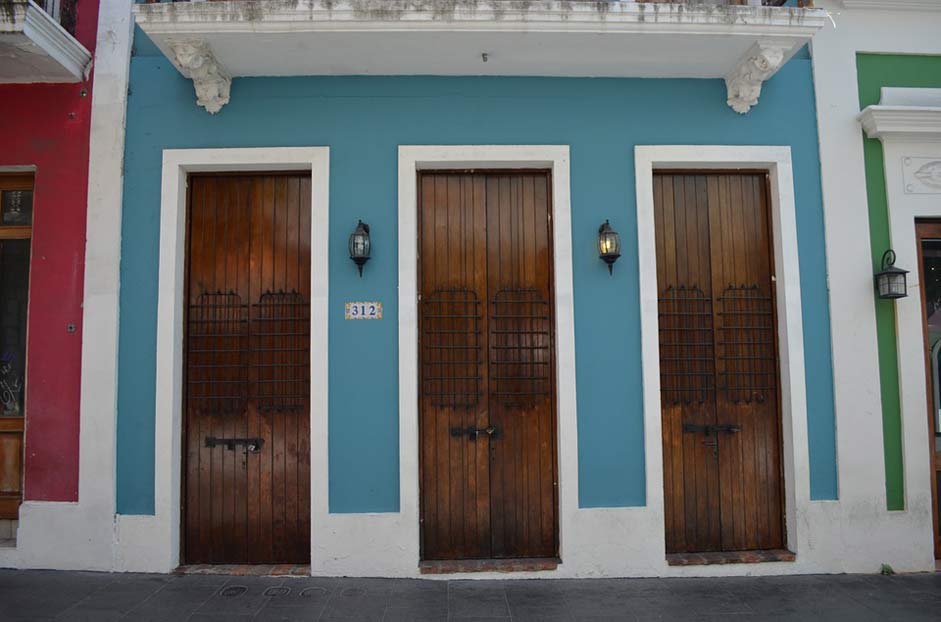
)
(98, 597)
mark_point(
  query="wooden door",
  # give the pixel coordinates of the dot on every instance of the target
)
(16, 219)
(487, 365)
(247, 406)
(929, 266)
(718, 363)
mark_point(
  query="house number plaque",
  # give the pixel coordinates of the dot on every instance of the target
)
(364, 310)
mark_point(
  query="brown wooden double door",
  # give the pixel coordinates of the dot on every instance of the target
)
(928, 234)
(247, 409)
(487, 366)
(718, 363)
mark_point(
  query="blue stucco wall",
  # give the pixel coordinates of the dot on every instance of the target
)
(363, 120)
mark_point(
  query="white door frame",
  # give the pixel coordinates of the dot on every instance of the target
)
(411, 160)
(777, 161)
(154, 541)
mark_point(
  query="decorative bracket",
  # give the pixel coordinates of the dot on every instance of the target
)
(195, 61)
(760, 63)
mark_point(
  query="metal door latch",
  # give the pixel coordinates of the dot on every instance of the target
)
(711, 433)
(473, 432)
(253, 445)
(709, 430)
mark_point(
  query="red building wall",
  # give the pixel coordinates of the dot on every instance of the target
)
(47, 126)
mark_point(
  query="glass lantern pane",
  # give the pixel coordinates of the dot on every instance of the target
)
(883, 284)
(897, 282)
(14, 290)
(16, 207)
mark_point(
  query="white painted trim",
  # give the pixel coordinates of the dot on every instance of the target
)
(400, 555)
(777, 161)
(912, 122)
(81, 535)
(152, 543)
(904, 208)
(858, 532)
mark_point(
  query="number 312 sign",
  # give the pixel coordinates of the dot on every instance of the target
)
(364, 310)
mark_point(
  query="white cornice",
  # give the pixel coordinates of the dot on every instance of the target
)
(273, 16)
(23, 23)
(47, 33)
(894, 5)
(908, 122)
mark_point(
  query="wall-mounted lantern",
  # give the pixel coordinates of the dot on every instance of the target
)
(360, 246)
(609, 245)
(891, 282)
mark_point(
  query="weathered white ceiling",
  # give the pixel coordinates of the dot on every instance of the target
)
(35, 48)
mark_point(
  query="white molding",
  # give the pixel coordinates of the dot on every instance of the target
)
(777, 161)
(404, 557)
(26, 19)
(48, 34)
(903, 210)
(860, 533)
(901, 121)
(893, 5)
(152, 543)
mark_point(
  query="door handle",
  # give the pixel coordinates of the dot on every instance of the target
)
(473, 432)
(709, 430)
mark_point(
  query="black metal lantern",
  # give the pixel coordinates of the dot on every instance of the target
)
(609, 245)
(360, 246)
(891, 282)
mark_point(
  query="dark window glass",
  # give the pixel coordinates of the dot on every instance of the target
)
(14, 292)
(17, 207)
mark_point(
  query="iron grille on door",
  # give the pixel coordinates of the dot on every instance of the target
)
(451, 346)
(237, 354)
(746, 344)
(521, 347)
(217, 370)
(280, 354)
(687, 355)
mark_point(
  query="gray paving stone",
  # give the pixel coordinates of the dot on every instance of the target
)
(76, 596)
(240, 596)
(477, 599)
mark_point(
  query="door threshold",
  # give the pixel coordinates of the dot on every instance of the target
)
(455, 566)
(247, 570)
(730, 557)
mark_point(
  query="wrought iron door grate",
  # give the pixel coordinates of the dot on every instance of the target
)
(748, 365)
(451, 346)
(687, 351)
(281, 352)
(217, 335)
(520, 347)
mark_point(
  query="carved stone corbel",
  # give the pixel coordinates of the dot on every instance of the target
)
(744, 82)
(195, 61)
